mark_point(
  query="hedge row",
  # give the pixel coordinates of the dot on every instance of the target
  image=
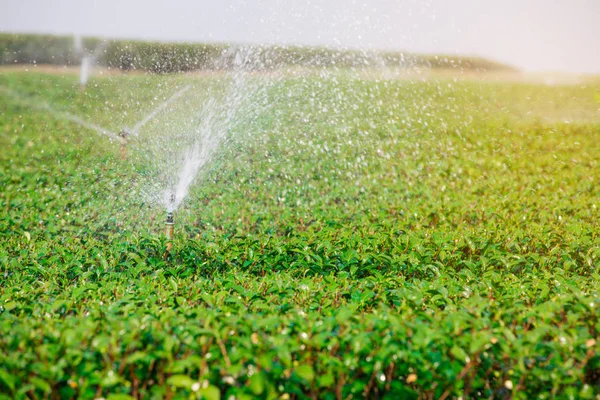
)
(160, 57)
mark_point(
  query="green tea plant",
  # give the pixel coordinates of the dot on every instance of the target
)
(430, 239)
(159, 57)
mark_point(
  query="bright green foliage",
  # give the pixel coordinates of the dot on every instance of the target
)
(426, 239)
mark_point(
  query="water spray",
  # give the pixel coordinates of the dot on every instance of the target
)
(137, 127)
(123, 136)
(87, 60)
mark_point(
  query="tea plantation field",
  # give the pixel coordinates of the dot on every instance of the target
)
(353, 239)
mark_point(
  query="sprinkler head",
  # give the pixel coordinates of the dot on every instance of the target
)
(169, 225)
(124, 135)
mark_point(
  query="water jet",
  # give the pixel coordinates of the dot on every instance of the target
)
(88, 60)
(123, 136)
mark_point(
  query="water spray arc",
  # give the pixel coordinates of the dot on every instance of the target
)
(124, 135)
(87, 60)
(138, 126)
(219, 113)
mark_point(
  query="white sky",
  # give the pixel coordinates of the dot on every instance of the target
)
(536, 35)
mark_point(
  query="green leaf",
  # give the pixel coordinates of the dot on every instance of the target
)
(7, 379)
(119, 396)
(210, 393)
(326, 380)
(41, 384)
(305, 372)
(136, 357)
(459, 354)
(180, 381)
(256, 383)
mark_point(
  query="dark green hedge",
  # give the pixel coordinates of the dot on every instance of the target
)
(180, 57)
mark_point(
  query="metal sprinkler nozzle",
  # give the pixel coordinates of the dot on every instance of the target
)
(124, 134)
(169, 225)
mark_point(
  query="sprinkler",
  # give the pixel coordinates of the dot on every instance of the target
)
(124, 135)
(169, 224)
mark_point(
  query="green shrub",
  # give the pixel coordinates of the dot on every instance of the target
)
(178, 57)
(449, 251)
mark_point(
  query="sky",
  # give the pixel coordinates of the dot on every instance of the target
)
(534, 35)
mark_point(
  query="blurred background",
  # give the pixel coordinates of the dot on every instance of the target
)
(530, 35)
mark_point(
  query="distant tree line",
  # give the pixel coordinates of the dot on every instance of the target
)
(160, 57)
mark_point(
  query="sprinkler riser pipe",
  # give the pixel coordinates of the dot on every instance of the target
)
(169, 235)
(124, 135)
(169, 228)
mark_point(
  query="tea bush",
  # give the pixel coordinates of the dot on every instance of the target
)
(431, 239)
(161, 57)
